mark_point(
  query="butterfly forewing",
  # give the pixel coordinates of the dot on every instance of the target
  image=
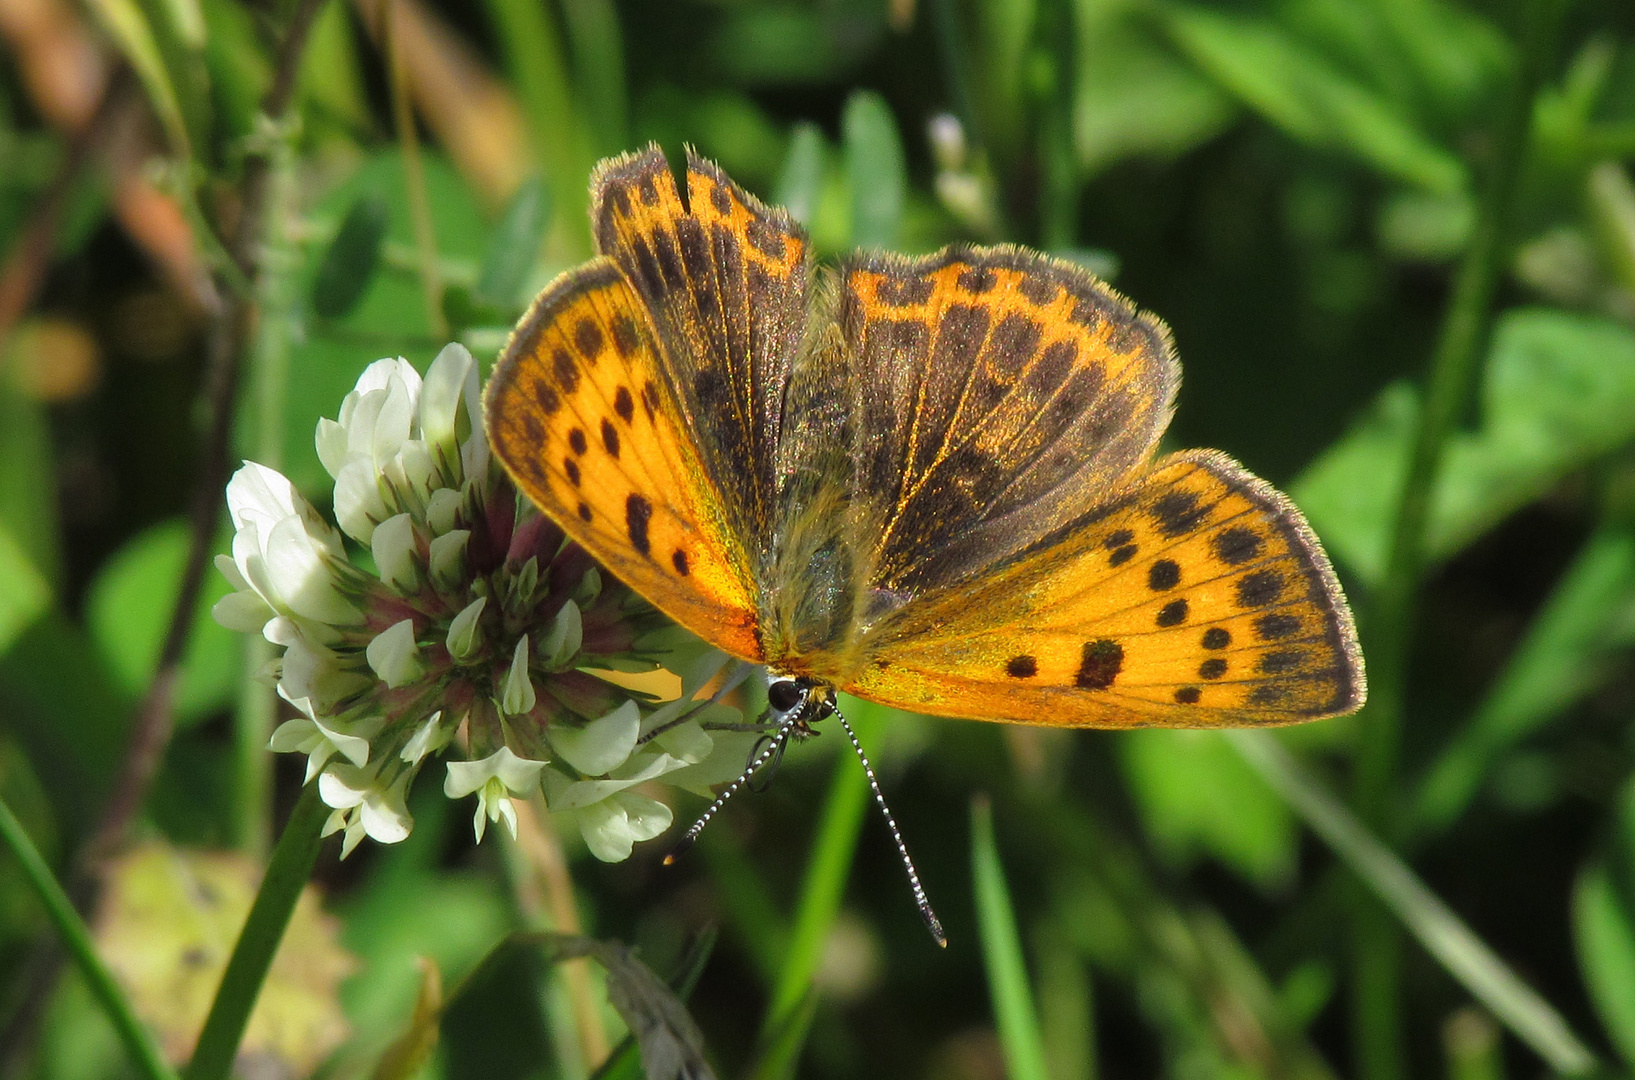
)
(1199, 598)
(1000, 394)
(726, 280)
(581, 413)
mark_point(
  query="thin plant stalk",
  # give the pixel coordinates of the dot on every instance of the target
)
(414, 171)
(1014, 1013)
(1443, 934)
(74, 933)
(1388, 620)
(550, 896)
(827, 871)
(287, 873)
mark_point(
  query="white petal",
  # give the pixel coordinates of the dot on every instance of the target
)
(343, 787)
(601, 745)
(394, 549)
(443, 510)
(394, 656)
(432, 737)
(564, 639)
(448, 557)
(257, 493)
(243, 611)
(606, 828)
(330, 439)
(508, 814)
(441, 397)
(379, 375)
(394, 423)
(518, 694)
(385, 816)
(229, 570)
(298, 568)
(647, 818)
(464, 777)
(295, 735)
(358, 500)
(520, 775)
(462, 631)
(418, 469)
(282, 631)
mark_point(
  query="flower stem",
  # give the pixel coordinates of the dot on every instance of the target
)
(1388, 622)
(258, 941)
(78, 939)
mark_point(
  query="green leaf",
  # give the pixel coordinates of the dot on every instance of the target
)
(133, 35)
(800, 184)
(874, 159)
(128, 612)
(1014, 1013)
(349, 265)
(515, 248)
(28, 487)
(1559, 392)
(783, 44)
(1133, 98)
(1182, 779)
(1299, 91)
(1561, 658)
(1604, 933)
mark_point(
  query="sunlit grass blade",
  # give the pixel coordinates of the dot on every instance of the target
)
(138, 1042)
(1014, 1013)
(1443, 934)
(780, 1049)
(827, 872)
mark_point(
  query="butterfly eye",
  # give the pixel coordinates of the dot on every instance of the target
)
(783, 694)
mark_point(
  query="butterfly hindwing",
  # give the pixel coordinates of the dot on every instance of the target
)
(1199, 598)
(580, 411)
(1000, 393)
(725, 279)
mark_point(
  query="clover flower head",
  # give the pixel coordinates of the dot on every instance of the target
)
(445, 616)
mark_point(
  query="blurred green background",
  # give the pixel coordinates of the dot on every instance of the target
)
(1298, 187)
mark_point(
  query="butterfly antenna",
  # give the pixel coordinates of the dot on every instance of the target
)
(774, 745)
(932, 923)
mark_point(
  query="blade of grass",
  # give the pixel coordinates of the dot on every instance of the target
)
(1389, 619)
(414, 173)
(1014, 1014)
(1443, 934)
(74, 933)
(827, 871)
(287, 873)
(598, 53)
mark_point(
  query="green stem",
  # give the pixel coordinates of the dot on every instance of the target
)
(1014, 1012)
(825, 883)
(78, 939)
(258, 941)
(1443, 934)
(1388, 622)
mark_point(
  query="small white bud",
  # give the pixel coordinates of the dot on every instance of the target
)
(394, 655)
(462, 632)
(448, 557)
(564, 639)
(518, 695)
(394, 550)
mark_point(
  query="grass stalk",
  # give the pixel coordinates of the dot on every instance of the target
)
(77, 937)
(414, 173)
(287, 873)
(827, 871)
(1388, 620)
(1014, 1012)
(1443, 934)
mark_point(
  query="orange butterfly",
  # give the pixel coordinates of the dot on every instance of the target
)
(926, 482)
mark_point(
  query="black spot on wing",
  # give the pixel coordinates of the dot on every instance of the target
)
(1213, 668)
(587, 336)
(765, 238)
(1038, 288)
(1281, 661)
(904, 292)
(977, 279)
(1237, 545)
(1118, 539)
(1177, 513)
(626, 338)
(567, 374)
(637, 513)
(1173, 613)
(533, 429)
(549, 400)
(1022, 667)
(571, 467)
(1163, 574)
(623, 405)
(1276, 626)
(1099, 664)
(584, 512)
(1217, 637)
(1260, 588)
(678, 559)
(1122, 555)
(610, 438)
(1188, 695)
(577, 441)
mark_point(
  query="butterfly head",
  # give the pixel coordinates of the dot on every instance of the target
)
(799, 700)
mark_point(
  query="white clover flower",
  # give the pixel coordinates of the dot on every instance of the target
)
(457, 620)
